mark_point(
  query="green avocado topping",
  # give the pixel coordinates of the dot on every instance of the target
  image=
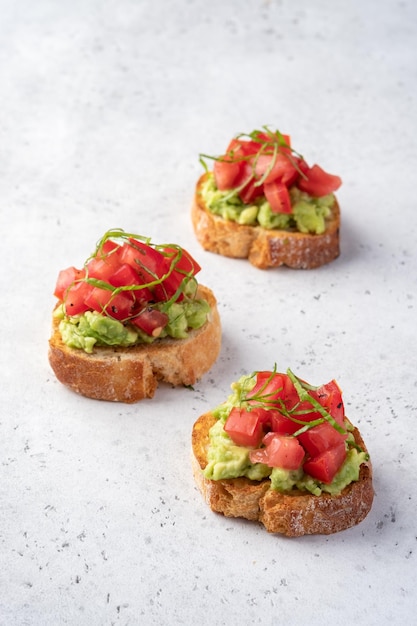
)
(227, 460)
(91, 328)
(308, 215)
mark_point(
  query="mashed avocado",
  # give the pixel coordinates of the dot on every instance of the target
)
(227, 460)
(308, 216)
(91, 328)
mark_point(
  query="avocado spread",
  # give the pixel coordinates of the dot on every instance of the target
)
(309, 213)
(227, 460)
(91, 328)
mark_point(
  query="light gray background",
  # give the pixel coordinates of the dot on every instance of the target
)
(105, 107)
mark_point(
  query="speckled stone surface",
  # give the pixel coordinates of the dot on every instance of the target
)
(105, 107)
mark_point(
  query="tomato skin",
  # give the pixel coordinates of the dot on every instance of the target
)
(65, 279)
(318, 182)
(278, 197)
(225, 173)
(178, 265)
(74, 300)
(279, 451)
(103, 267)
(268, 386)
(145, 260)
(151, 321)
(330, 397)
(320, 438)
(125, 275)
(244, 427)
(282, 425)
(325, 466)
(185, 264)
(282, 169)
(119, 306)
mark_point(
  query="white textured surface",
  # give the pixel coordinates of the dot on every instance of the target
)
(105, 106)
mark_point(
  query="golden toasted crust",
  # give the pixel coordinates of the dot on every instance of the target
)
(291, 514)
(131, 374)
(264, 248)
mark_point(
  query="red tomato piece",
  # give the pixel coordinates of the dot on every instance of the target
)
(265, 137)
(145, 260)
(330, 397)
(320, 438)
(325, 466)
(278, 197)
(65, 279)
(269, 387)
(108, 247)
(184, 262)
(102, 267)
(225, 173)
(281, 168)
(250, 192)
(242, 147)
(247, 184)
(151, 321)
(75, 298)
(244, 427)
(281, 424)
(318, 182)
(119, 306)
(281, 451)
(124, 276)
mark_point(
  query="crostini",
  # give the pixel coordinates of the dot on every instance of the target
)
(282, 452)
(132, 316)
(263, 202)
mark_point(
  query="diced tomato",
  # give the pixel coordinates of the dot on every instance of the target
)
(278, 197)
(124, 276)
(145, 260)
(250, 192)
(269, 387)
(65, 279)
(184, 262)
(74, 299)
(151, 321)
(320, 438)
(243, 148)
(280, 451)
(225, 173)
(281, 424)
(281, 168)
(103, 267)
(325, 466)
(247, 184)
(244, 427)
(330, 397)
(108, 247)
(265, 137)
(119, 306)
(318, 182)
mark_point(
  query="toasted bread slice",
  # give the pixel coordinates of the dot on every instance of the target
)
(264, 248)
(292, 514)
(131, 374)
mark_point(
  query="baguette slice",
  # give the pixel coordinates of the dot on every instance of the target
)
(264, 248)
(131, 374)
(291, 514)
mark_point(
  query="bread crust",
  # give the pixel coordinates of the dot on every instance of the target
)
(264, 248)
(292, 514)
(132, 374)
